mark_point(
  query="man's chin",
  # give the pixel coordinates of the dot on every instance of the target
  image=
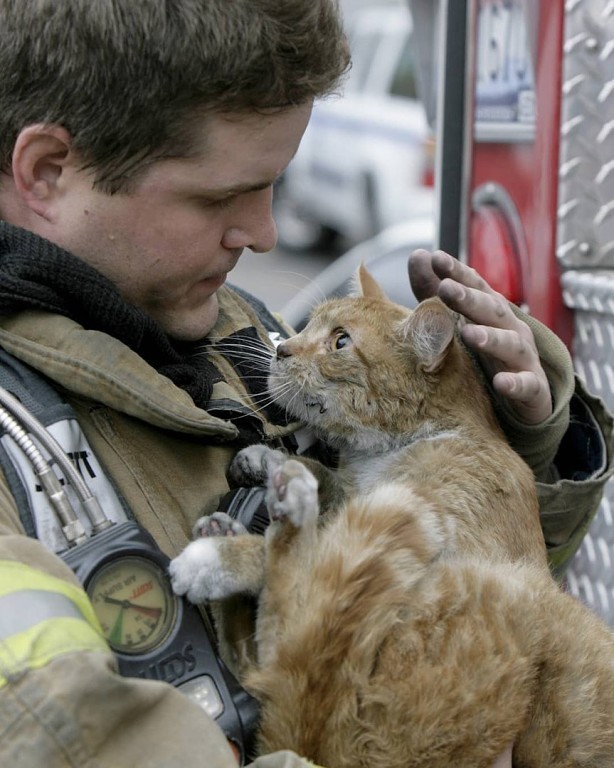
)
(192, 325)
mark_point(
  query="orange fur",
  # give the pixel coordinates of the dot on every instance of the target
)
(416, 623)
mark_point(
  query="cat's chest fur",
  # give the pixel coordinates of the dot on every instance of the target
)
(362, 472)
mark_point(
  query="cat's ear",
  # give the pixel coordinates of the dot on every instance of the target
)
(366, 285)
(430, 330)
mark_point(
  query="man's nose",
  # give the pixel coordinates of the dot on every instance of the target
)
(252, 225)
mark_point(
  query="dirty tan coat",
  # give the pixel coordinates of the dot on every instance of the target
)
(168, 458)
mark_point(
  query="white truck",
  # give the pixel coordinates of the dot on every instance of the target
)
(367, 158)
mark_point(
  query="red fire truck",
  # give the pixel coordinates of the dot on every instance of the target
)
(525, 125)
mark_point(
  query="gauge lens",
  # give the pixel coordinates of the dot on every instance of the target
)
(134, 604)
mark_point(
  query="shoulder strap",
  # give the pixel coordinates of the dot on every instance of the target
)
(41, 399)
(33, 390)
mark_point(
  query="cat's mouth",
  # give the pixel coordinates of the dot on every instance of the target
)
(316, 404)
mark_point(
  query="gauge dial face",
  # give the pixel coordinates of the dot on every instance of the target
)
(134, 604)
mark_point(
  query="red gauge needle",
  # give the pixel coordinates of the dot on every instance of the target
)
(154, 612)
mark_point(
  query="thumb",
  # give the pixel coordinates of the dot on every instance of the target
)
(423, 280)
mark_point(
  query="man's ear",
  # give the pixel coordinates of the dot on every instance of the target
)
(40, 156)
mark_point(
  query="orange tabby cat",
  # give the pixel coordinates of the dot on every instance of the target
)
(414, 622)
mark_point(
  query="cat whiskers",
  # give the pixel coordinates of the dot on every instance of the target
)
(256, 357)
(269, 398)
(252, 352)
(276, 392)
(309, 286)
(297, 404)
(242, 347)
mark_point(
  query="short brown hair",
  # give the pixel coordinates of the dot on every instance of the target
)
(125, 76)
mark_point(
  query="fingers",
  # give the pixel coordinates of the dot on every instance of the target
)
(460, 287)
(479, 306)
(513, 348)
(424, 281)
(511, 358)
(530, 393)
(445, 266)
(428, 269)
(503, 341)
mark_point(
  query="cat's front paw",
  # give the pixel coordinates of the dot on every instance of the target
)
(217, 524)
(199, 572)
(252, 465)
(292, 494)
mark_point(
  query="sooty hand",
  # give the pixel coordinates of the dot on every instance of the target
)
(504, 343)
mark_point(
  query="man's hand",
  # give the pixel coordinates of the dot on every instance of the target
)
(504, 343)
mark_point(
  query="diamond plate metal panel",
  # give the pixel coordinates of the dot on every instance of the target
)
(585, 236)
(591, 296)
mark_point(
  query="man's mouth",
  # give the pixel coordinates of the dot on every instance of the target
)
(214, 282)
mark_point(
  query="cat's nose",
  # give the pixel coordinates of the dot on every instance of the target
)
(283, 350)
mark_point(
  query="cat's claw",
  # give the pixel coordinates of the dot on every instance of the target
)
(218, 524)
(252, 465)
(292, 494)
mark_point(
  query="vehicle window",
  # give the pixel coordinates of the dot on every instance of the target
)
(404, 80)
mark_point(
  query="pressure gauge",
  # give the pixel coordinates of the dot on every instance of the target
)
(134, 603)
(155, 634)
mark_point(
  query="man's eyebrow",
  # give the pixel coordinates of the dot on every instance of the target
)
(238, 189)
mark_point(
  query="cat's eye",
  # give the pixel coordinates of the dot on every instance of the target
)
(342, 339)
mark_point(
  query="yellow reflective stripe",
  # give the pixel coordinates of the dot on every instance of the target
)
(22, 610)
(54, 618)
(15, 576)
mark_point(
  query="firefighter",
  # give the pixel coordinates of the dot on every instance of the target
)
(138, 146)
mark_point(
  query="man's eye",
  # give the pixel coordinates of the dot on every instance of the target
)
(342, 339)
(220, 203)
(224, 203)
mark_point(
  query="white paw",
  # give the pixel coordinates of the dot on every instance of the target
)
(292, 494)
(198, 572)
(252, 465)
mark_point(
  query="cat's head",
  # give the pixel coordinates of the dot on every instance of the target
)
(366, 372)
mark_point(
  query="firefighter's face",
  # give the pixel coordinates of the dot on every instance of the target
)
(170, 243)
